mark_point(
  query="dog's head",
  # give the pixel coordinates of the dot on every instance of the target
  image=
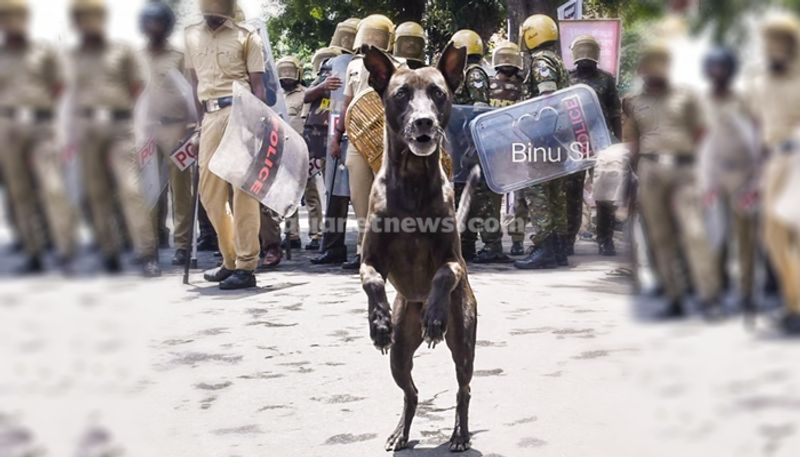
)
(417, 102)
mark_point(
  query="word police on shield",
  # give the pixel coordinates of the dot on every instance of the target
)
(261, 154)
(542, 139)
(185, 155)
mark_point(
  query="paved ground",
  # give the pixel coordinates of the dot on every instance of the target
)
(565, 367)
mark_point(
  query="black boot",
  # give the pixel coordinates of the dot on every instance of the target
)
(151, 268)
(494, 255)
(674, 310)
(313, 245)
(112, 265)
(606, 248)
(468, 250)
(32, 265)
(218, 274)
(517, 248)
(561, 251)
(180, 257)
(789, 323)
(542, 257)
(289, 243)
(353, 265)
(334, 256)
(240, 279)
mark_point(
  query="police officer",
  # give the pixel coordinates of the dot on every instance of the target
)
(546, 202)
(475, 91)
(774, 100)
(586, 55)
(290, 74)
(378, 31)
(409, 44)
(106, 80)
(728, 169)
(662, 124)
(31, 80)
(219, 52)
(334, 250)
(171, 110)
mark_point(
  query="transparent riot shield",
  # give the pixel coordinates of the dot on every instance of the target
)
(261, 154)
(540, 140)
(336, 178)
(183, 153)
(152, 168)
(458, 140)
(276, 98)
(68, 143)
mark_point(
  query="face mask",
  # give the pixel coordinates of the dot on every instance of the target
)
(215, 21)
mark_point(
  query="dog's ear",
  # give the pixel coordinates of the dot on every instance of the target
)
(380, 69)
(452, 64)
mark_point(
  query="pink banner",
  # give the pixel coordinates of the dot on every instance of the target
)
(607, 32)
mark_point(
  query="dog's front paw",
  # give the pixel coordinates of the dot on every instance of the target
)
(380, 329)
(434, 324)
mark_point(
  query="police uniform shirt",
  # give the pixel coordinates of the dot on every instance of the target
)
(294, 107)
(165, 98)
(774, 102)
(223, 56)
(662, 123)
(28, 76)
(357, 78)
(103, 77)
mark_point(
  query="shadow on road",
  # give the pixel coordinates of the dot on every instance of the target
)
(439, 451)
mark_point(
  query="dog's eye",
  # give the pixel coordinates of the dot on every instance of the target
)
(438, 93)
(401, 93)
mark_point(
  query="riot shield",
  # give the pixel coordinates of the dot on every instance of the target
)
(541, 139)
(276, 98)
(153, 175)
(336, 179)
(261, 154)
(458, 140)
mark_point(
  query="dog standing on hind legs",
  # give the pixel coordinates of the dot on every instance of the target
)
(434, 299)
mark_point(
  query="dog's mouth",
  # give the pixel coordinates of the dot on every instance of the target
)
(423, 144)
(423, 139)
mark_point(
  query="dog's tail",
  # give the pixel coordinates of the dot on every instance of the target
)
(466, 198)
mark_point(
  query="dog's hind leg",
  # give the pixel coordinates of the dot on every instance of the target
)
(461, 341)
(407, 338)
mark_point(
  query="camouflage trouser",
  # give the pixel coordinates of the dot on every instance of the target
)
(484, 216)
(547, 210)
(573, 190)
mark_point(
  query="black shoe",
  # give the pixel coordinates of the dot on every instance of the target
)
(561, 251)
(353, 265)
(163, 239)
(517, 248)
(331, 257)
(180, 257)
(313, 245)
(112, 265)
(568, 247)
(218, 274)
(291, 244)
(606, 248)
(207, 244)
(468, 250)
(542, 257)
(239, 279)
(491, 256)
(674, 310)
(32, 265)
(151, 269)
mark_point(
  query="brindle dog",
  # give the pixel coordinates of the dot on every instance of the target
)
(423, 262)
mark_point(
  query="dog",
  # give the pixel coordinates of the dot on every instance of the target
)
(434, 299)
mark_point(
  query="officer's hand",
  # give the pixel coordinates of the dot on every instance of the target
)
(336, 149)
(333, 83)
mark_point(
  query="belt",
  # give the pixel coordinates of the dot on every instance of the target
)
(27, 114)
(106, 114)
(216, 104)
(669, 159)
(172, 120)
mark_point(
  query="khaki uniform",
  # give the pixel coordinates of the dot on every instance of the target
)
(296, 108)
(220, 57)
(359, 172)
(775, 103)
(30, 159)
(171, 113)
(665, 126)
(103, 81)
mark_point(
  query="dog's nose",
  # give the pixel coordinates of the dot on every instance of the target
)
(423, 123)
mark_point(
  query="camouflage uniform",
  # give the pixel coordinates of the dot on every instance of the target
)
(475, 90)
(605, 86)
(546, 202)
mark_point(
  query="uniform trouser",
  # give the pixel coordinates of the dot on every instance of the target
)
(606, 218)
(237, 224)
(516, 229)
(744, 234)
(483, 217)
(546, 208)
(781, 240)
(314, 207)
(18, 144)
(361, 177)
(669, 204)
(109, 162)
(333, 238)
(573, 191)
(270, 233)
(180, 188)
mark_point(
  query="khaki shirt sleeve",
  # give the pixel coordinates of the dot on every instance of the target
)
(188, 65)
(255, 54)
(132, 67)
(630, 131)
